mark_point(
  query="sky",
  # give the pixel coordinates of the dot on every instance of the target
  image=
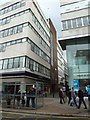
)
(51, 9)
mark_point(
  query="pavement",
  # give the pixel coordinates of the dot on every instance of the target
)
(53, 107)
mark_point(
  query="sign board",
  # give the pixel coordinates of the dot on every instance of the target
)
(76, 85)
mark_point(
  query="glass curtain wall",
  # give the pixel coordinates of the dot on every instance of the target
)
(78, 53)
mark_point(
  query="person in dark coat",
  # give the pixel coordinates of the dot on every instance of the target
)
(61, 96)
(28, 98)
(81, 98)
(33, 92)
(69, 96)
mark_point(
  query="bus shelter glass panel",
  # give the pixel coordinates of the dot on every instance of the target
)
(39, 94)
(22, 95)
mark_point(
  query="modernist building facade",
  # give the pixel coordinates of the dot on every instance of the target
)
(75, 19)
(24, 43)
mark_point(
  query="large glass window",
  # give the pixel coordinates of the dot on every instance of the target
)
(69, 24)
(5, 64)
(88, 20)
(31, 64)
(16, 62)
(85, 21)
(10, 63)
(64, 25)
(20, 28)
(27, 62)
(1, 64)
(22, 62)
(79, 22)
(36, 67)
(74, 24)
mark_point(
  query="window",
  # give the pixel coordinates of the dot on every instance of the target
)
(1, 64)
(16, 62)
(85, 21)
(5, 64)
(8, 20)
(18, 5)
(20, 28)
(31, 64)
(27, 62)
(14, 7)
(5, 33)
(0, 22)
(10, 63)
(24, 40)
(12, 42)
(10, 31)
(64, 25)
(15, 30)
(9, 8)
(22, 62)
(69, 24)
(79, 22)
(36, 67)
(88, 20)
(22, 3)
(74, 24)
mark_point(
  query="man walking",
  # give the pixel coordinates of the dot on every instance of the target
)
(73, 96)
(81, 98)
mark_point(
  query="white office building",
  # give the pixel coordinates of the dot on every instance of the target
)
(75, 19)
(24, 43)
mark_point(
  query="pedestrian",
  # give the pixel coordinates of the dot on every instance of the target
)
(18, 98)
(73, 97)
(61, 96)
(28, 98)
(8, 98)
(69, 96)
(81, 98)
(23, 100)
(32, 96)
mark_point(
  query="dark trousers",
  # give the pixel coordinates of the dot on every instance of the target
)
(80, 102)
(74, 98)
(27, 104)
(33, 102)
(61, 100)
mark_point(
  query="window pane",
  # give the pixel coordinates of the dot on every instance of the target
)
(16, 62)
(85, 21)
(20, 28)
(88, 20)
(79, 22)
(1, 64)
(27, 62)
(64, 25)
(74, 23)
(22, 62)
(5, 64)
(69, 24)
(10, 63)
(31, 64)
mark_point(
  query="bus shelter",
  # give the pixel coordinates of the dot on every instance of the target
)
(23, 95)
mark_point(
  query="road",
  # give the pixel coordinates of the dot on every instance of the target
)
(24, 116)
